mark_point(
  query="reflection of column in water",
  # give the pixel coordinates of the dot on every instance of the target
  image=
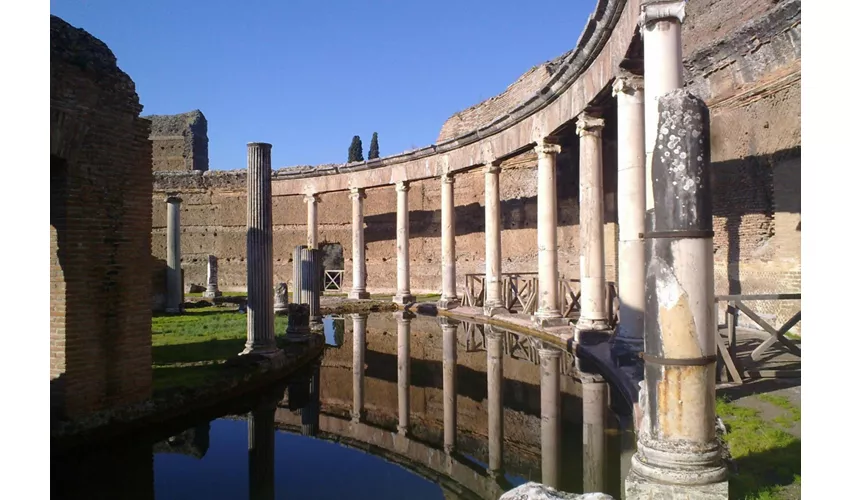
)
(403, 321)
(449, 383)
(495, 414)
(594, 400)
(550, 413)
(310, 413)
(359, 349)
(261, 452)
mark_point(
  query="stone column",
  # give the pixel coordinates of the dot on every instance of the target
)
(548, 301)
(663, 70)
(173, 276)
(449, 299)
(261, 452)
(594, 315)
(212, 290)
(310, 412)
(449, 383)
(495, 411)
(550, 413)
(678, 452)
(358, 246)
(402, 245)
(261, 338)
(594, 402)
(310, 284)
(403, 320)
(631, 206)
(297, 259)
(493, 301)
(359, 348)
(312, 200)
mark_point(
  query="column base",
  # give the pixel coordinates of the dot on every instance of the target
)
(640, 488)
(211, 294)
(446, 303)
(588, 324)
(404, 299)
(359, 294)
(267, 351)
(549, 318)
(495, 308)
(297, 334)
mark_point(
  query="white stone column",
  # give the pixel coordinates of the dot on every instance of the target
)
(631, 210)
(663, 70)
(357, 364)
(212, 290)
(358, 246)
(403, 321)
(594, 402)
(495, 410)
(403, 295)
(550, 413)
(173, 276)
(493, 301)
(591, 225)
(548, 301)
(448, 299)
(312, 200)
(449, 328)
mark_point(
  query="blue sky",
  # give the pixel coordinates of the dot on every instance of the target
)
(306, 76)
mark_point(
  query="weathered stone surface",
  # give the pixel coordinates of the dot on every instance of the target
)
(281, 297)
(537, 491)
(179, 142)
(196, 288)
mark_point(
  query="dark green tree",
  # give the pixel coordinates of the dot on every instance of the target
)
(373, 147)
(355, 151)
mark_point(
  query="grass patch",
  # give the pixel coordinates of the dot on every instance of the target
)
(189, 349)
(223, 294)
(767, 457)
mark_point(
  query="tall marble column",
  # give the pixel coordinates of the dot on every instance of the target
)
(495, 410)
(312, 200)
(493, 301)
(548, 301)
(449, 328)
(448, 299)
(358, 247)
(594, 402)
(261, 452)
(261, 338)
(550, 413)
(173, 276)
(403, 321)
(359, 347)
(631, 207)
(403, 295)
(591, 225)
(310, 284)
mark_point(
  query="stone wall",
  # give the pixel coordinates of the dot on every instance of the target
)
(179, 142)
(100, 229)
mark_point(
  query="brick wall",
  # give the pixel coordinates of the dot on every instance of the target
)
(179, 142)
(100, 229)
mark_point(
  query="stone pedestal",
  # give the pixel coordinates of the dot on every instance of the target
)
(212, 290)
(173, 276)
(358, 247)
(403, 319)
(449, 328)
(403, 295)
(448, 298)
(495, 410)
(548, 298)
(281, 298)
(312, 201)
(359, 354)
(493, 301)
(261, 339)
(298, 325)
(594, 315)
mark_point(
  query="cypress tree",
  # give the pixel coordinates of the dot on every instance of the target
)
(355, 151)
(373, 147)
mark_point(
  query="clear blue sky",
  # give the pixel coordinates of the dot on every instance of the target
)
(307, 75)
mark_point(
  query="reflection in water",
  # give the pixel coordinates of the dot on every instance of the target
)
(411, 418)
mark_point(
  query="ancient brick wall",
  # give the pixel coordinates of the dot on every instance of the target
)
(179, 142)
(100, 186)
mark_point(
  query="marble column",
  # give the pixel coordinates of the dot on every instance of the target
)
(494, 303)
(448, 299)
(358, 246)
(312, 200)
(449, 328)
(548, 301)
(261, 452)
(594, 315)
(310, 284)
(631, 207)
(212, 290)
(594, 402)
(403, 321)
(550, 413)
(261, 339)
(357, 364)
(495, 410)
(403, 295)
(173, 276)
(663, 69)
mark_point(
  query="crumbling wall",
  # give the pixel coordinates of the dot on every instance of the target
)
(100, 229)
(179, 142)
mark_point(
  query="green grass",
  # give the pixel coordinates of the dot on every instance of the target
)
(223, 294)
(189, 349)
(767, 456)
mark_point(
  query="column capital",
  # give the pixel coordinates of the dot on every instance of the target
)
(312, 198)
(259, 145)
(589, 124)
(546, 351)
(492, 168)
(627, 83)
(173, 198)
(493, 333)
(547, 148)
(356, 193)
(652, 11)
(402, 186)
(447, 179)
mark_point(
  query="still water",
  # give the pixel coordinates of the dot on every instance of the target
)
(398, 407)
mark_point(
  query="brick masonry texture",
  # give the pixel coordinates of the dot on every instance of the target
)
(180, 142)
(100, 188)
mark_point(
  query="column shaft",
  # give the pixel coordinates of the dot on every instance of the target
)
(358, 247)
(403, 321)
(449, 384)
(312, 201)
(447, 219)
(310, 284)
(548, 301)
(594, 401)
(493, 301)
(359, 348)
(173, 277)
(550, 415)
(495, 410)
(261, 453)
(403, 295)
